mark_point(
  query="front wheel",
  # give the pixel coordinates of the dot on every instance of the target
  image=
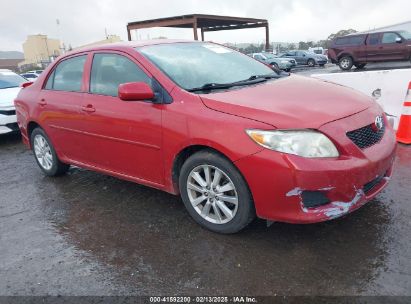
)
(311, 62)
(45, 154)
(215, 194)
(360, 65)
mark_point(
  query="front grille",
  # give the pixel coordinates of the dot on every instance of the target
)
(8, 113)
(366, 136)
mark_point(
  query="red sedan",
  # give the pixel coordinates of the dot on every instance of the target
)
(224, 131)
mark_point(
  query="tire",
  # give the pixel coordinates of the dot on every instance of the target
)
(45, 154)
(275, 66)
(311, 62)
(201, 196)
(360, 65)
(345, 63)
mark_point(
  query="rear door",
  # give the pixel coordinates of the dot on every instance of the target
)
(59, 106)
(123, 137)
(393, 47)
(374, 48)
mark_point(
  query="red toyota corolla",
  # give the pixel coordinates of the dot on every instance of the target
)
(224, 131)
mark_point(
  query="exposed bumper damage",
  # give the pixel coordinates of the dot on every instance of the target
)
(286, 188)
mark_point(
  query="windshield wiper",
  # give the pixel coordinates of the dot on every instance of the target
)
(251, 80)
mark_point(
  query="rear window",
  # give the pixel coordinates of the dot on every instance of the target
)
(355, 40)
(67, 76)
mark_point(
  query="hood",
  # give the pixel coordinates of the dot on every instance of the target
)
(7, 96)
(290, 102)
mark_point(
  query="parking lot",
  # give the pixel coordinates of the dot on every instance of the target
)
(90, 234)
(332, 68)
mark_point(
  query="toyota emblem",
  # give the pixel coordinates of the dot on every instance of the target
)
(379, 123)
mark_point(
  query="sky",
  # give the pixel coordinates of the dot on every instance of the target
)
(85, 21)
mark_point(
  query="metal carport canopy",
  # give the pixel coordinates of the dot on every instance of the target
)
(206, 23)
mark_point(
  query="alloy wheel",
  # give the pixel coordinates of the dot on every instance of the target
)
(345, 63)
(42, 151)
(212, 194)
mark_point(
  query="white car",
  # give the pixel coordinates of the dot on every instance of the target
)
(37, 72)
(10, 83)
(30, 76)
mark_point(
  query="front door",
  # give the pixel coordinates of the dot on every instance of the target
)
(393, 47)
(123, 137)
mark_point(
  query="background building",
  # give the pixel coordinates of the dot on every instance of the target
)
(109, 39)
(403, 26)
(39, 51)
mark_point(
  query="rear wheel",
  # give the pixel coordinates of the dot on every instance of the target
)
(45, 154)
(345, 63)
(311, 62)
(215, 194)
(275, 66)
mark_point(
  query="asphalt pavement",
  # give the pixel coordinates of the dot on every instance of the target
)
(90, 234)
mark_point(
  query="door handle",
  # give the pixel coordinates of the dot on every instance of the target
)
(42, 102)
(89, 108)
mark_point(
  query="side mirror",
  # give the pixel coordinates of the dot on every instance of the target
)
(398, 40)
(135, 91)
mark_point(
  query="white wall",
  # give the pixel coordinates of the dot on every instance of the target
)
(391, 84)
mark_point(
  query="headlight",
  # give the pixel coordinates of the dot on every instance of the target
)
(305, 143)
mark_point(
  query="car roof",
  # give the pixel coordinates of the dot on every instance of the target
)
(129, 44)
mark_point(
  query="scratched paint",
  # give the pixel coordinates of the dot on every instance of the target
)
(341, 208)
(333, 209)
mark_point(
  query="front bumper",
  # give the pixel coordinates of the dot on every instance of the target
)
(277, 180)
(8, 120)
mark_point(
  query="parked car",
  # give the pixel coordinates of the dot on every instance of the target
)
(318, 50)
(306, 58)
(10, 84)
(30, 76)
(38, 72)
(285, 64)
(232, 137)
(360, 49)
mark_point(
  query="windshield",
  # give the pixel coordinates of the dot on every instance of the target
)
(194, 64)
(10, 80)
(406, 35)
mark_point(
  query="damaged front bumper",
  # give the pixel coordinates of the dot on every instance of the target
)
(289, 188)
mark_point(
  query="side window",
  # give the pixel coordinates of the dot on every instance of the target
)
(110, 70)
(258, 57)
(342, 41)
(357, 40)
(67, 76)
(374, 39)
(389, 37)
(291, 53)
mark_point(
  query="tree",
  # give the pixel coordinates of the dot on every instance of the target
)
(341, 33)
